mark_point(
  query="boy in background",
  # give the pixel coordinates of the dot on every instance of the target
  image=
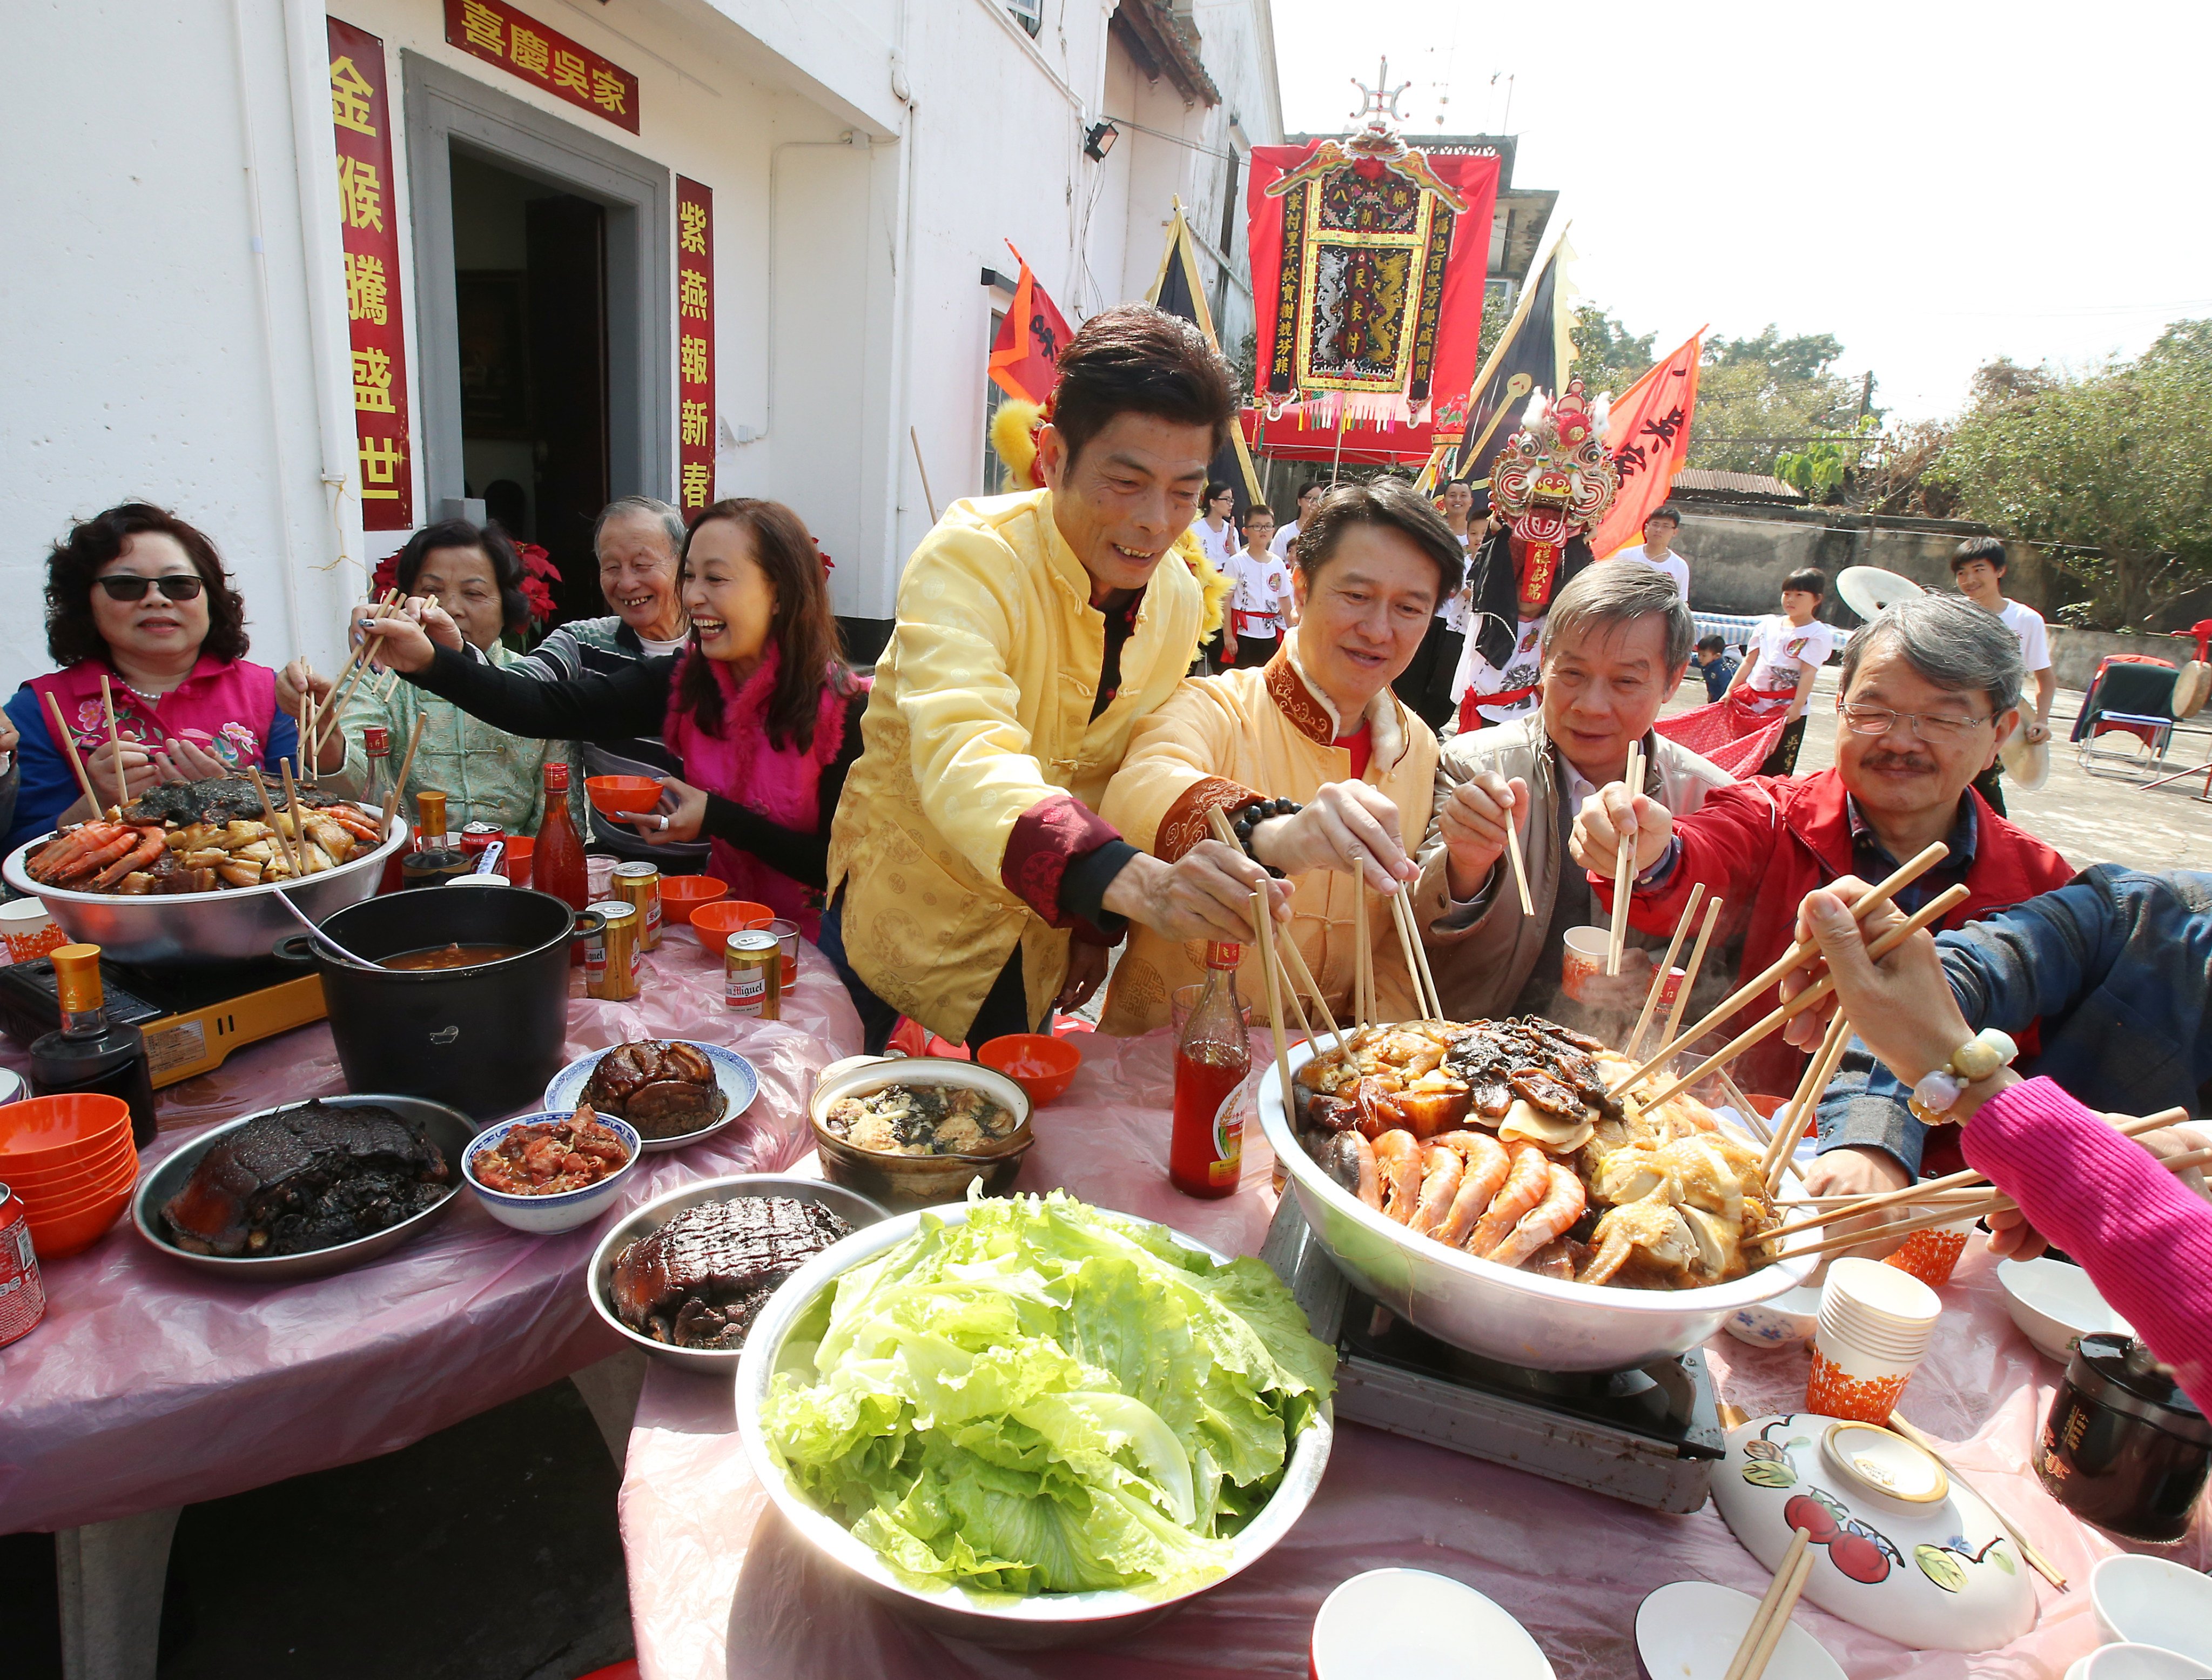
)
(1715, 664)
(1978, 569)
(1260, 604)
(1787, 650)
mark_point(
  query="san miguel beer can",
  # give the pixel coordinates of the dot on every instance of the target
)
(610, 957)
(22, 1296)
(639, 884)
(752, 975)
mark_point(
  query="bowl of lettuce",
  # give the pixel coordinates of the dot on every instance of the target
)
(1027, 1422)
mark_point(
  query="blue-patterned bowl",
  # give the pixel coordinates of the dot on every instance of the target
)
(542, 1215)
(1784, 1322)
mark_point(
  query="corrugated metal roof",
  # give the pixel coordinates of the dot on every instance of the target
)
(1757, 486)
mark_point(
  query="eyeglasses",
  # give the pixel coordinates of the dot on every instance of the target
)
(1880, 721)
(181, 588)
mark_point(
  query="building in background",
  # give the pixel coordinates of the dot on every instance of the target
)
(736, 248)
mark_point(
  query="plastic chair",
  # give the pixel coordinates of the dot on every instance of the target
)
(2132, 694)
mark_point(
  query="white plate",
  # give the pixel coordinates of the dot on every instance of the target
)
(1691, 1630)
(740, 1085)
(1401, 1624)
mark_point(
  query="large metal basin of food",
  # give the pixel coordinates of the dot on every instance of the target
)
(1029, 1624)
(237, 924)
(1541, 1323)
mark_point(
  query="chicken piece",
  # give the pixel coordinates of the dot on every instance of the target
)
(1650, 1231)
(1708, 1170)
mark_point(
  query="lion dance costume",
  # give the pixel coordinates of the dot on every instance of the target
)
(1549, 486)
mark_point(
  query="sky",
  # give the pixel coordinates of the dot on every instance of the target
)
(1936, 184)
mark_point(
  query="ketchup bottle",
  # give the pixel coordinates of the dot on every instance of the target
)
(557, 861)
(1205, 1150)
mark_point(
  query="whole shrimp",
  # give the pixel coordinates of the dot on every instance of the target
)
(1441, 1171)
(1525, 1186)
(1483, 1172)
(1561, 1207)
(1398, 1164)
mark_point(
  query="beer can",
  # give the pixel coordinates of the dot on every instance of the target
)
(639, 884)
(476, 839)
(752, 975)
(610, 956)
(22, 1296)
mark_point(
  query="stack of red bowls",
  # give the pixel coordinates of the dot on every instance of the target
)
(71, 1161)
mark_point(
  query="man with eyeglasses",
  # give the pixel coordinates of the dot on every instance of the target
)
(1929, 689)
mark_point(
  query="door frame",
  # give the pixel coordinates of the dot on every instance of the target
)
(446, 108)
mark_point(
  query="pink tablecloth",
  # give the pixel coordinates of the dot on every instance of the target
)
(150, 1384)
(719, 1587)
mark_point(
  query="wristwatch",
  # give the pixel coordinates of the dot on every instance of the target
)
(1936, 1093)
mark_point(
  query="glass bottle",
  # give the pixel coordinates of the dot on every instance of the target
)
(1206, 1149)
(377, 792)
(90, 1052)
(556, 862)
(435, 859)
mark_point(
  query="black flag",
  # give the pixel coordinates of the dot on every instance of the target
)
(1526, 359)
(1177, 292)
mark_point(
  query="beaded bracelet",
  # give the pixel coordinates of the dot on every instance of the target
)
(1252, 816)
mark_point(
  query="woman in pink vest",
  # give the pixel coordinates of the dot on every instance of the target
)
(138, 596)
(760, 706)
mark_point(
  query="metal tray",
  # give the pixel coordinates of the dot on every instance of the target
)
(855, 1209)
(448, 1128)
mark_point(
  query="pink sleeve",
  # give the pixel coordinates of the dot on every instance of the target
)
(2143, 1236)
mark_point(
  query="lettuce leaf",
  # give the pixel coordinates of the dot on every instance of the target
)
(1047, 1397)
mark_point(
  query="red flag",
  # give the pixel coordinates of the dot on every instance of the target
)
(1648, 435)
(1025, 355)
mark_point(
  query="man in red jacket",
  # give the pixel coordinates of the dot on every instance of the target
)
(1929, 689)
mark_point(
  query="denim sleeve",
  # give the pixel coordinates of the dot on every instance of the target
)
(1863, 1108)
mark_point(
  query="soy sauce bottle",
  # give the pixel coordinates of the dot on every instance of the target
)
(1205, 1150)
(91, 1052)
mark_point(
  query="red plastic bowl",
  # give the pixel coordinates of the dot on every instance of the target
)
(715, 922)
(89, 1169)
(41, 1133)
(681, 895)
(71, 1234)
(121, 1180)
(620, 796)
(1041, 1065)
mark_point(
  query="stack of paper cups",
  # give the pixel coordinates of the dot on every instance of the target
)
(1930, 1255)
(1875, 1322)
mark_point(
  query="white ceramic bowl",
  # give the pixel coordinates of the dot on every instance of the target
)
(2136, 1662)
(1784, 1322)
(1399, 1624)
(2150, 1601)
(739, 1080)
(2055, 1305)
(1546, 1323)
(1024, 1623)
(1691, 1630)
(542, 1215)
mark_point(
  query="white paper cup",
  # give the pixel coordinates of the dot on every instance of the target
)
(1866, 1291)
(1583, 959)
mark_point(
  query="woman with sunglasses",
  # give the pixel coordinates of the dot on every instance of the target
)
(138, 596)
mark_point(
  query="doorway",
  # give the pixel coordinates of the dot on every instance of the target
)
(530, 301)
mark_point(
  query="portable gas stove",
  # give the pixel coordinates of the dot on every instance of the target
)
(193, 1018)
(1649, 1436)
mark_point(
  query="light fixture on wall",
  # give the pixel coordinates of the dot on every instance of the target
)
(1100, 141)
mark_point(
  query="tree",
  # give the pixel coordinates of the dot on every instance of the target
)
(2108, 469)
(1771, 387)
(1608, 356)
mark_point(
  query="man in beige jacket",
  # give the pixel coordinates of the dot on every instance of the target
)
(1615, 648)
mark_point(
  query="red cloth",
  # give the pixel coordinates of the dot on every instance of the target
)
(1360, 744)
(1046, 837)
(2143, 1236)
(1763, 844)
(1726, 734)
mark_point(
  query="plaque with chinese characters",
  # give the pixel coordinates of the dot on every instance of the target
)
(360, 116)
(694, 345)
(518, 43)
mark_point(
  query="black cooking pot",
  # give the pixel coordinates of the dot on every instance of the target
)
(483, 1039)
(2123, 1447)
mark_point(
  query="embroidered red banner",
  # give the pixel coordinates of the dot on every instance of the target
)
(496, 31)
(368, 222)
(694, 343)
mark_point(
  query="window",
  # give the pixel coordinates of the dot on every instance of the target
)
(1030, 14)
(998, 477)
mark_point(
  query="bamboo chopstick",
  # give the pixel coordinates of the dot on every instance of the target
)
(406, 764)
(1783, 1143)
(69, 746)
(1933, 910)
(1295, 970)
(299, 826)
(1744, 1105)
(1798, 955)
(114, 742)
(1360, 1013)
(1768, 1602)
(2036, 1560)
(1777, 1623)
(1416, 963)
(1263, 925)
(269, 815)
(1624, 865)
(1659, 980)
(1520, 865)
(1690, 971)
(358, 662)
(1435, 1009)
(1811, 1109)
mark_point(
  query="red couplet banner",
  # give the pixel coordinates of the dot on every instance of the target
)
(368, 222)
(694, 343)
(518, 43)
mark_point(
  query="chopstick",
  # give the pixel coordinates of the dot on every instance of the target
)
(1263, 926)
(1666, 968)
(114, 742)
(2036, 1560)
(1295, 971)
(357, 661)
(1744, 1105)
(299, 827)
(1820, 1068)
(1430, 1003)
(1360, 1013)
(269, 815)
(1933, 910)
(69, 746)
(1520, 865)
(1623, 864)
(1690, 971)
(1798, 955)
(1772, 1605)
(1778, 1623)
(406, 764)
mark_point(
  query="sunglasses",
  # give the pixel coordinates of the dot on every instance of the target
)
(180, 587)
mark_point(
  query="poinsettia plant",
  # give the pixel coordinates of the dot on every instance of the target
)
(539, 574)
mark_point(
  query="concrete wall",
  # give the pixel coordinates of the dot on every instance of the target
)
(2075, 653)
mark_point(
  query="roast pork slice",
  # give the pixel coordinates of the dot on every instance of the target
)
(304, 1178)
(698, 1280)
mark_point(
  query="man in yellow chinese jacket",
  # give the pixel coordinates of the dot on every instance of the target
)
(972, 883)
(1325, 776)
